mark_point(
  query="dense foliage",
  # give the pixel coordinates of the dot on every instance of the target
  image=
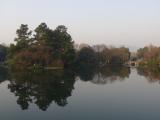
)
(87, 57)
(149, 55)
(46, 47)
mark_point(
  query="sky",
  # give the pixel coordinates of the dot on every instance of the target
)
(133, 23)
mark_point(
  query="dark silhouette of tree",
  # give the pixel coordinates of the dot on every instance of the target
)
(87, 57)
(42, 89)
(22, 40)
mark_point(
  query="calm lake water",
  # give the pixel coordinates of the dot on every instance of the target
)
(116, 93)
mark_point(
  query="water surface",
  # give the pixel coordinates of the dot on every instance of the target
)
(110, 93)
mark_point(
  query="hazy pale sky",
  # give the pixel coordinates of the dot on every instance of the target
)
(112, 22)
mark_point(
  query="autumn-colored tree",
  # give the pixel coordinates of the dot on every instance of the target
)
(115, 55)
(150, 55)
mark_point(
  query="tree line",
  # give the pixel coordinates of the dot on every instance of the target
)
(45, 47)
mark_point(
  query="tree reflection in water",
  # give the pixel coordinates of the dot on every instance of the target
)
(104, 75)
(42, 89)
(151, 74)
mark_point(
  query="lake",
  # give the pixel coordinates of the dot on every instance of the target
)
(111, 93)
